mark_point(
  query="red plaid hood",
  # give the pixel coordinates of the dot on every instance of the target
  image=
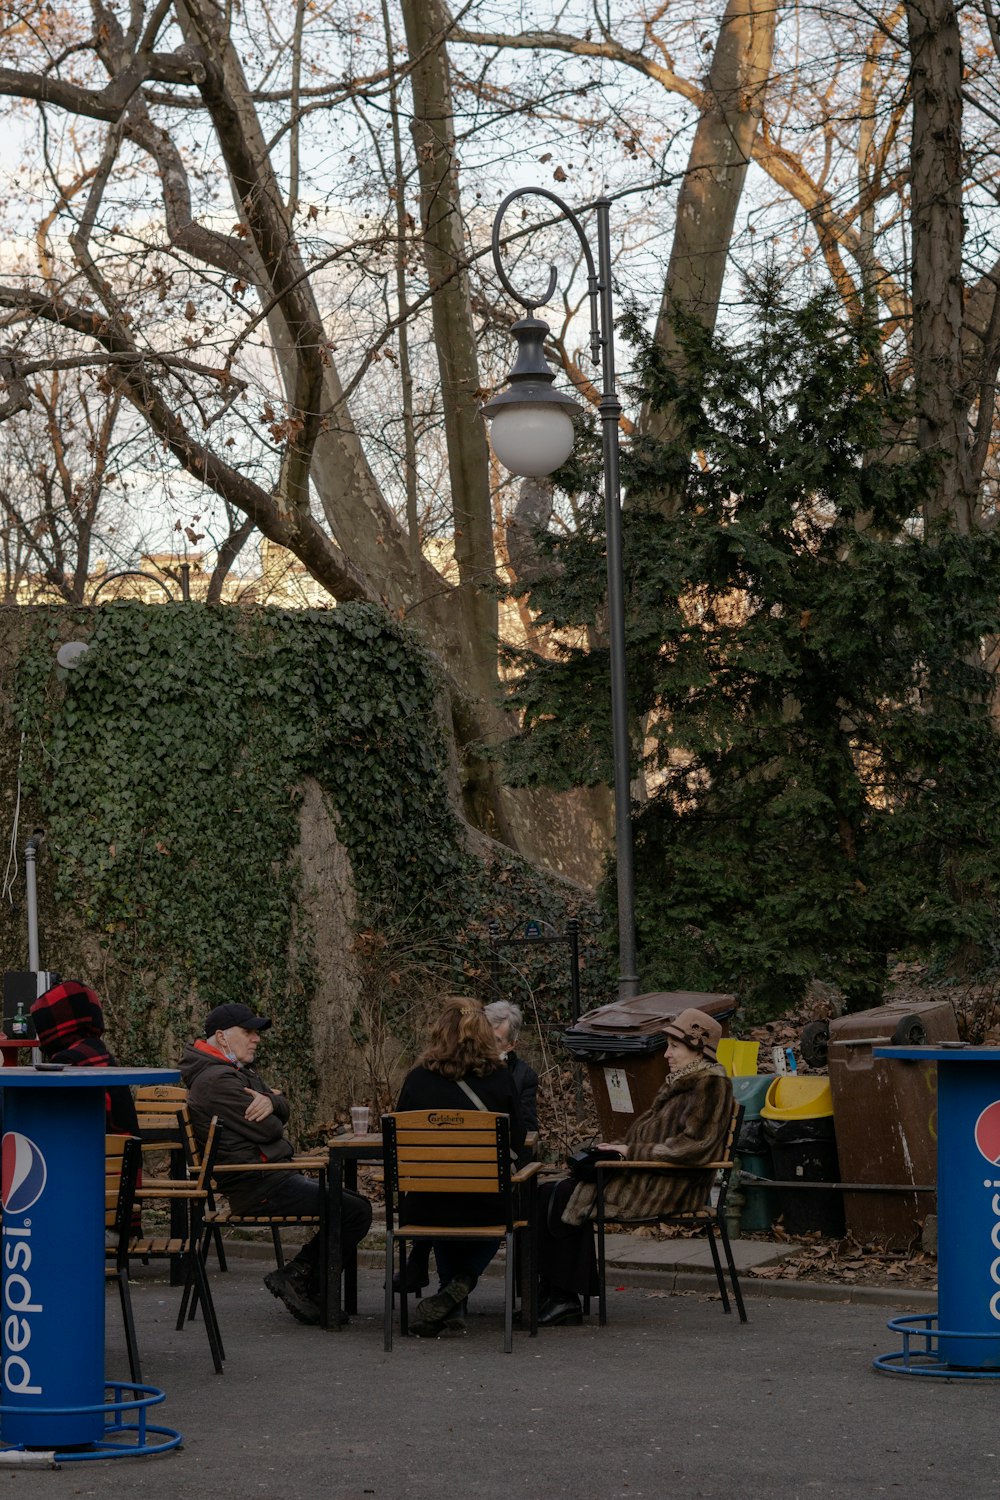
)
(70, 1025)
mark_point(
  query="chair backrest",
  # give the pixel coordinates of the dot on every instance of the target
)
(165, 1122)
(158, 1106)
(735, 1121)
(202, 1158)
(122, 1156)
(446, 1151)
(728, 1153)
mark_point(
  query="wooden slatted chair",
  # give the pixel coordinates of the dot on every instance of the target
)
(165, 1123)
(709, 1217)
(194, 1196)
(165, 1126)
(122, 1155)
(465, 1153)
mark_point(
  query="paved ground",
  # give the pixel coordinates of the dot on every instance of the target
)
(671, 1399)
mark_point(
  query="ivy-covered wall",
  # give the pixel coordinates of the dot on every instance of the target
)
(253, 804)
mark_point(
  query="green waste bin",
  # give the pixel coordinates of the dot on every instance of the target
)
(754, 1154)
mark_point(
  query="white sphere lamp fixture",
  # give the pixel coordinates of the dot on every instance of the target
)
(531, 425)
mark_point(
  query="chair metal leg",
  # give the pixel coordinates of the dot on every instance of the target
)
(131, 1342)
(404, 1296)
(387, 1314)
(191, 1285)
(211, 1321)
(279, 1253)
(508, 1293)
(731, 1263)
(219, 1248)
(526, 1278)
(602, 1291)
(189, 1297)
(531, 1268)
(718, 1268)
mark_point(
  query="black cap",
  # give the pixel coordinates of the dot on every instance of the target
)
(224, 1016)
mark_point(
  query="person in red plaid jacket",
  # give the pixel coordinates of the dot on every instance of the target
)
(69, 1024)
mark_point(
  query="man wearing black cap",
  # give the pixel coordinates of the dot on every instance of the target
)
(221, 1080)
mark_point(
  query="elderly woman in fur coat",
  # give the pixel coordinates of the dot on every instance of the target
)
(686, 1123)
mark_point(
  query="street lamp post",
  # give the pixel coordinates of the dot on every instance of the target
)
(532, 434)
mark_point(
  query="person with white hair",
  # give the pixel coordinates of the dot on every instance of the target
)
(507, 1020)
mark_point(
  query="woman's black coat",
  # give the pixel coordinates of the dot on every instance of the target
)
(423, 1089)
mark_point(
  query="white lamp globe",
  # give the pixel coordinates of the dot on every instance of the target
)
(532, 438)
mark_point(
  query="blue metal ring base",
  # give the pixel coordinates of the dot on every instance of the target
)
(928, 1361)
(115, 1426)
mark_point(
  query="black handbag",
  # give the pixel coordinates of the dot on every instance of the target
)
(582, 1164)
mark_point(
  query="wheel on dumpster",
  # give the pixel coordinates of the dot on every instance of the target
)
(910, 1032)
(814, 1042)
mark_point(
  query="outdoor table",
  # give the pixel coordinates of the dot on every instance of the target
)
(52, 1319)
(345, 1153)
(963, 1338)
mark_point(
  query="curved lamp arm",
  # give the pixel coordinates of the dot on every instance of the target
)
(593, 281)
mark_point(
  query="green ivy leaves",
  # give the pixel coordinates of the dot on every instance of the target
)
(169, 766)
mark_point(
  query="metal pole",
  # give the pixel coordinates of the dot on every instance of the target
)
(602, 332)
(495, 960)
(31, 891)
(573, 931)
(610, 410)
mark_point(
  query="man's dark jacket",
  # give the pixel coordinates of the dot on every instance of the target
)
(526, 1083)
(217, 1086)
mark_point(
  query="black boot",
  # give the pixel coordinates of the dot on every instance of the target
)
(291, 1284)
(417, 1269)
(558, 1308)
(443, 1307)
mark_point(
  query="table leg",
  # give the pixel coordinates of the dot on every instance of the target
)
(334, 1248)
(351, 1262)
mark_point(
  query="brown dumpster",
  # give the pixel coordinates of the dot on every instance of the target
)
(886, 1115)
(623, 1044)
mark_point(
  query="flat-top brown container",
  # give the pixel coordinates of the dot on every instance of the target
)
(623, 1045)
(886, 1114)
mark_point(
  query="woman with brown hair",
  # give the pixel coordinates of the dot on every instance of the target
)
(459, 1069)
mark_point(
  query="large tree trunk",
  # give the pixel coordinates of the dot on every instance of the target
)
(942, 395)
(446, 259)
(460, 624)
(716, 171)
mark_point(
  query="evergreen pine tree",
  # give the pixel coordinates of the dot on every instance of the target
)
(807, 679)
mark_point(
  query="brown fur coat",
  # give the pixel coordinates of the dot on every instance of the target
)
(686, 1123)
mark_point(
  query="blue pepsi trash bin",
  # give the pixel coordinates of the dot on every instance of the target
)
(52, 1283)
(968, 1133)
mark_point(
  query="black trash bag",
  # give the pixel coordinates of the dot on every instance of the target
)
(752, 1140)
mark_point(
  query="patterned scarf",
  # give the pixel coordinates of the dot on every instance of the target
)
(69, 1023)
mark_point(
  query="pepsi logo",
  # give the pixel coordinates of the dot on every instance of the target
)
(988, 1133)
(22, 1180)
